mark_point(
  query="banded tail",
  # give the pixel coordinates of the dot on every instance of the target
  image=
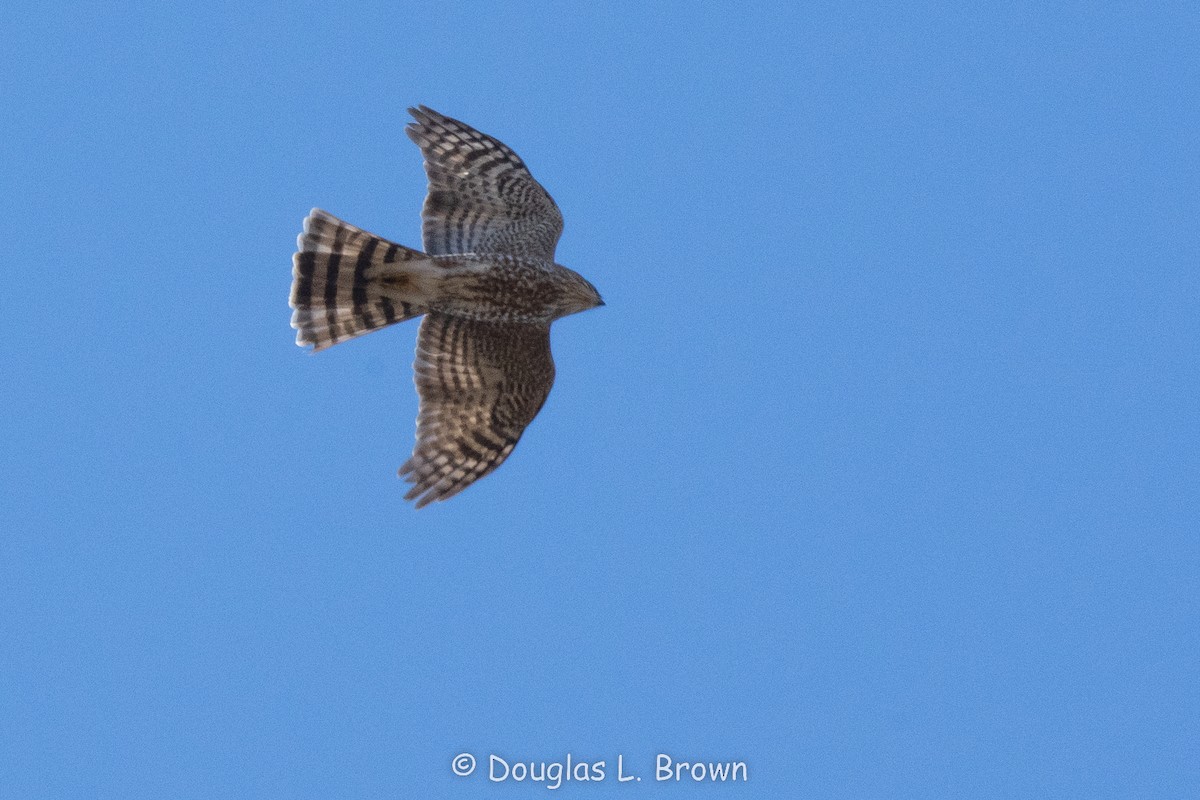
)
(347, 282)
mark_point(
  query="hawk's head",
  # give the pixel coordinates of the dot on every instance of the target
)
(577, 295)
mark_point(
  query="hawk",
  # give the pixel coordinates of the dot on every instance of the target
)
(486, 284)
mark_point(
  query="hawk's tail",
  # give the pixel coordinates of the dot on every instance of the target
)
(347, 282)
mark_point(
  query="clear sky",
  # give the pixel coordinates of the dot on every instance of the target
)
(878, 472)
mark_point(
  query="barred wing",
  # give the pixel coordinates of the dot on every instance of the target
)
(481, 384)
(481, 197)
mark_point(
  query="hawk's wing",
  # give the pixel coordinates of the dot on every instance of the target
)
(480, 384)
(481, 197)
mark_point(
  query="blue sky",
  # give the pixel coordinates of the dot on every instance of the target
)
(878, 472)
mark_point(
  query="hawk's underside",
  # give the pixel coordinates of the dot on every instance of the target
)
(486, 283)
